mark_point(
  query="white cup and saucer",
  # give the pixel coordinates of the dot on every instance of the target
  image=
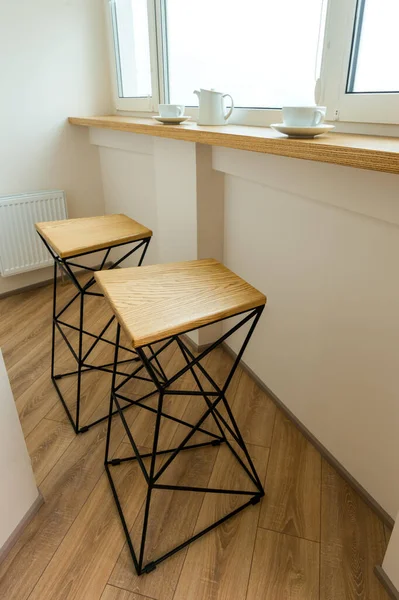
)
(171, 114)
(303, 121)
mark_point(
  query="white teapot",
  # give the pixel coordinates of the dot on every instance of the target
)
(211, 107)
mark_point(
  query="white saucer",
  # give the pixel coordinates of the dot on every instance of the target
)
(302, 132)
(170, 120)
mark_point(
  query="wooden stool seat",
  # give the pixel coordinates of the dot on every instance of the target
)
(158, 301)
(72, 237)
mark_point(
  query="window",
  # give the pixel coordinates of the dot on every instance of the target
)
(265, 53)
(359, 74)
(133, 53)
(224, 48)
(375, 48)
(132, 48)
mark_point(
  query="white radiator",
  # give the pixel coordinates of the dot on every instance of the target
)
(21, 249)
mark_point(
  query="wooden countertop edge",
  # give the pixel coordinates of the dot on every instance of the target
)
(341, 149)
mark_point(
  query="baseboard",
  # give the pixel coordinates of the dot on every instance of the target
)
(374, 505)
(387, 583)
(198, 349)
(26, 519)
(43, 283)
(26, 288)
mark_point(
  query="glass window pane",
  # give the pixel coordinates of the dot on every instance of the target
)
(262, 52)
(376, 48)
(132, 48)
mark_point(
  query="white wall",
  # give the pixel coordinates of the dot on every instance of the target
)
(391, 560)
(53, 64)
(18, 491)
(128, 178)
(169, 186)
(322, 242)
(327, 344)
(152, 180)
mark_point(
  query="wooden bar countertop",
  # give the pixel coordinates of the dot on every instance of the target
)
(375, 153)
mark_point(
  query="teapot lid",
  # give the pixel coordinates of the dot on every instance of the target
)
(211, 90)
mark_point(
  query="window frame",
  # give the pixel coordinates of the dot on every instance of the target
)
(137, 104)
(353, 107)
(330, 89)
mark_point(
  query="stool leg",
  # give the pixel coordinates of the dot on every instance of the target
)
(54, 318)
(144, 252)
(111, 399)
(80, 363)
(107, 461)
(151, 479)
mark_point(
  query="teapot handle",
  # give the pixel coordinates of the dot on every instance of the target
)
(228, 114)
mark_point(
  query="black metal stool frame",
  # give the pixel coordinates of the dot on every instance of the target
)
(66, 264)
(212, 399)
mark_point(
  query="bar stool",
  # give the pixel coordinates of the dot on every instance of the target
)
(159, 303)
(68, 241)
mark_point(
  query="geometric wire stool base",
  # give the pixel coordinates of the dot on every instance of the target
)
(58, 323)
(213, 398)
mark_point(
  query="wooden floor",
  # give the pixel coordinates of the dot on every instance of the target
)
(312, 537)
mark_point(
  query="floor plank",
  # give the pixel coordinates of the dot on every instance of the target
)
(352, 543)
(254, 412)
(293, 484)
(20, 312)
(46, 444)
(36, 402)
(29, 368)
(388, 533)
(27, 338)
(95, 386)
(65, 491)
(284, 567)
(113, 593)
(172, 520)
(29, 324)
(84, 560)
(78, 501)
(217, 565)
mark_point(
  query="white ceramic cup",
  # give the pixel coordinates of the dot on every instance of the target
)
(171, 110)
(303, 116)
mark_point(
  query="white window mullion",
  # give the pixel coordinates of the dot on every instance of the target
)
(124, 63)
(162, 51)
(152, 28)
